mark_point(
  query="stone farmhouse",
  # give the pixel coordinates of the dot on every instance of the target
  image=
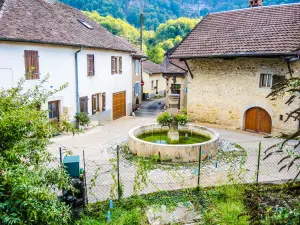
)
(234, 58)
(40, 37)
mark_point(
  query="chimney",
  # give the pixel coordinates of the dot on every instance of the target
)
(255, 3)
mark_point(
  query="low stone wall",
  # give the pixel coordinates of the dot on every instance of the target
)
(174, 153)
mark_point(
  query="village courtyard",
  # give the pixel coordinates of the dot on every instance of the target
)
(100, 142)
(97, 138)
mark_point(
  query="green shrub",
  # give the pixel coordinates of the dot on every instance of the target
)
(182, 118)
(26, 180)
(165, 119)
(82, 118)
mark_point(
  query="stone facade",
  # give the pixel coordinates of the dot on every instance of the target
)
(223, 90)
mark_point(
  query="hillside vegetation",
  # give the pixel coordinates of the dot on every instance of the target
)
(155, 43)
(159, 11)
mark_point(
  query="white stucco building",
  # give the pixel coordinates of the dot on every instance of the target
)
(39, 37)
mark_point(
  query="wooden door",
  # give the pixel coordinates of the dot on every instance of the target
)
(119, 105)
(258, 120)
(265, 121)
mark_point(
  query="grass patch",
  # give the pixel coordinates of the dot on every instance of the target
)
(131, 211)
(226, 206)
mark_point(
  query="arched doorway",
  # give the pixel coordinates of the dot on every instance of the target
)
(257, 119)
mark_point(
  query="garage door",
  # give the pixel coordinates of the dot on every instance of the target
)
(119, 105)
(258, 120)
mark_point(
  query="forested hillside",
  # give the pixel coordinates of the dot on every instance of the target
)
(155, 43)
(159, 11)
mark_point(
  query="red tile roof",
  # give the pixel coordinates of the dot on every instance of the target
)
(152, 67)
(174, 66)
(271, 30)
(37, 21)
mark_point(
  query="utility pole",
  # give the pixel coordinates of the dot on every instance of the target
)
(141, 31)
(141, 50)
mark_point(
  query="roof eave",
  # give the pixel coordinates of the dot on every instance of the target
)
(61, 44)
(139, 56)
(175, 73)
(235, 55)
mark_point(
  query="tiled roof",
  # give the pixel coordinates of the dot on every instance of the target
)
(54, 23)
(273, 30)
(151, 67)
(174, 66)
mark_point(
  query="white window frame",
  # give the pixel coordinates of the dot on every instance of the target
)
(268, 82)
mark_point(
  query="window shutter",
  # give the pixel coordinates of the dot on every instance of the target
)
(113, 65)
(36, 72)
(94, 104)
(27, 58)
(120, 64)
(32, 68)
(91, 65)
(86, 105)
(103, 101)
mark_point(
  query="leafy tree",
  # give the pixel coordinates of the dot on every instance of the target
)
(288, 86)
(174, 28)
(159, 11)
(116, 26)
(27, 182)
(156, 54)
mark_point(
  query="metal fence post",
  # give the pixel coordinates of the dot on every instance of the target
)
(118, 171)
(84, 177)
(61, 165)
(199, 166)
(258, 162)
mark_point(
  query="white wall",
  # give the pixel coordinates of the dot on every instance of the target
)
(59, 63)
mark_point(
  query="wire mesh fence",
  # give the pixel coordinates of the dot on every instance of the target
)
(123, 176)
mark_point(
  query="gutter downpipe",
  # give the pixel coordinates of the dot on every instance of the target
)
(76, 80)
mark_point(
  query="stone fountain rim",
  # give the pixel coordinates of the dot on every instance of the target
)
(215, 135)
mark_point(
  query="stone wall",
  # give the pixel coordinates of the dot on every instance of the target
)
(223, 90)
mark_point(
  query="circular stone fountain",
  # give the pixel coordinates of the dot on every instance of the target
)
(173, 143)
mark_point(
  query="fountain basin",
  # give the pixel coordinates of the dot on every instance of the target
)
(173, 152)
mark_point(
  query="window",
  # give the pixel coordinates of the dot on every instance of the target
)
(116, 65)
(32, 68)
(53, 108)
(152, 84)
(84, 104)
(96, 103)
(265, 80)
(268, 80)
(90, 65)
(86, 24)
(137, 67)
(137, 89)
